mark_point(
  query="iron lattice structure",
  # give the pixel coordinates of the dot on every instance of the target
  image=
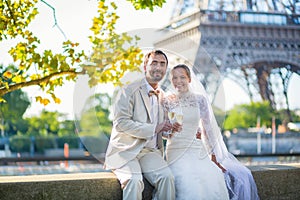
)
(254, 43)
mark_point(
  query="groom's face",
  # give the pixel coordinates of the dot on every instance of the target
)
(156, 68)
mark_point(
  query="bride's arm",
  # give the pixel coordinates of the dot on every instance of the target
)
(205, 125)
(210, 137)
(214, 159)
(213, 156)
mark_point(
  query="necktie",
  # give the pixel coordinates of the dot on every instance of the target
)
(153, 92)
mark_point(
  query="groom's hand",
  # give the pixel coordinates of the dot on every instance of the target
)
(163, 127)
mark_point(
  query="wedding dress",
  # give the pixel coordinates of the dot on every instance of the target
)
(196, 176)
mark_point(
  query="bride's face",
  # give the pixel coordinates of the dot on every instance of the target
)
(180, 80)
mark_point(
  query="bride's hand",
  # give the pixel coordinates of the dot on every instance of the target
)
(176, 127)
(221, 167)
(214, 159)
(198, 134)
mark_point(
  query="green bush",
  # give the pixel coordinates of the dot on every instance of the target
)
(46, 142)
(95, 145)
(19, 143)
(73, 141)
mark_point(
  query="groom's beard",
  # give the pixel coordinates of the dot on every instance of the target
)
(157, 76)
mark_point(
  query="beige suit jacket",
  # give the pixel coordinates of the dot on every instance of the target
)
(132, 124)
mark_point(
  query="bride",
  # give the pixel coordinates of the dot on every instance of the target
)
(189, 158)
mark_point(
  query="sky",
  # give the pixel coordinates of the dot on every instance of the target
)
(74, 19)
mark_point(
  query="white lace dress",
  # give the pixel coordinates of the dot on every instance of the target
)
(196, 176)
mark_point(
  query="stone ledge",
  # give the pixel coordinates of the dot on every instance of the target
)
(276, 182)
(273, 182)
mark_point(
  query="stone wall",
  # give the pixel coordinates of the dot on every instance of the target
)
(273, 182)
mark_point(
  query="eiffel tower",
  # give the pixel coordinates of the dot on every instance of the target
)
(255, 43)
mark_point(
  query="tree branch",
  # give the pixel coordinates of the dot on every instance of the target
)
(55, 20)
(11, 12)
(4, 90)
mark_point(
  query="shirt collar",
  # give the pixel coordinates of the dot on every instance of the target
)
(149, 87)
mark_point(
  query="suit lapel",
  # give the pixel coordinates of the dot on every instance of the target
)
(160, 107)
(146, 99)
(160, 118)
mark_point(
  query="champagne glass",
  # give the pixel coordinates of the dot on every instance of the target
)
(179, 117)
(171, 116)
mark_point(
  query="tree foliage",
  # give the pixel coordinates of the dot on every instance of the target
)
(220, 116)
(246, 115)
(95, 119)
(45, 124)
(95, 124)
(113, 54)
(67, 128)
(143, 4)
(11, 112)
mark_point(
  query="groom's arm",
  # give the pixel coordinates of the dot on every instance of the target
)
(124, 107)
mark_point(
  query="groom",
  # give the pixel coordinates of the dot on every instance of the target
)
(135, 148)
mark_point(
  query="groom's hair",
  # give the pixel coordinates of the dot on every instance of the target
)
(186, 68)
(154, 52)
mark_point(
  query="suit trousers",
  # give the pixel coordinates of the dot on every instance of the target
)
(150, 164)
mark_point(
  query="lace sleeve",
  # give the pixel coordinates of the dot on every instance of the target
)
(165, 103)
(206, 127)
(169, 102)
(212, 134)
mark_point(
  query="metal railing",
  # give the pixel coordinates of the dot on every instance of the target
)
(40, 159)
(240, 17)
